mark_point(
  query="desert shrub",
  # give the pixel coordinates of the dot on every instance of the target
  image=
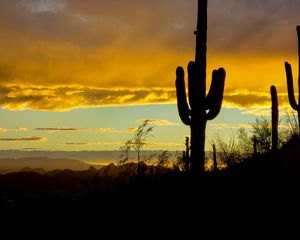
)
(228, 153)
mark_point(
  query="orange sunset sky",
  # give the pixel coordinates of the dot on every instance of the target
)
(80, 75)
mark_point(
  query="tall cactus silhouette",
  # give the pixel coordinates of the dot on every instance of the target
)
(290, 85)
(274, 118)
(201, 107)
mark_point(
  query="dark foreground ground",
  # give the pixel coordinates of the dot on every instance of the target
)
(258, 196)
(174, 203)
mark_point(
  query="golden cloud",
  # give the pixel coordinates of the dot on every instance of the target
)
(253, 99)
(29, 139)
(18, 129)
(158, 122)
(108, 130)
(64, 98)
(132, 130)
(60, 129)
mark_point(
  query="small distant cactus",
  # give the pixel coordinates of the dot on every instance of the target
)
(274, 118)
(290, 85)
(186, 155)
(201, 107)
(215, 158)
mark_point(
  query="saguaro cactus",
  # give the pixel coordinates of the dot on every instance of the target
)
(274, 118)
(201, 107)
(290, 85)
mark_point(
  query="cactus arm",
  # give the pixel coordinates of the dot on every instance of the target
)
(274, 118)
(182, 105)
(213, 88)
(298, 34)
(192, 85)
(290, 85)
(217, 95)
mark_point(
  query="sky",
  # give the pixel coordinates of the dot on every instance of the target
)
(82, 75)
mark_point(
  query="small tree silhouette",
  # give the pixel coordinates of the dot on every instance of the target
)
(228, 152)
(125, 149)
(136, 143)
(139, 139)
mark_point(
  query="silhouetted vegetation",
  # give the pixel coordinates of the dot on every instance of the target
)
(250, 171)
(136, 143)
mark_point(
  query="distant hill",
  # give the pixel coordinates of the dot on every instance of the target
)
(48, 164)
(89, 157)
(97, 157)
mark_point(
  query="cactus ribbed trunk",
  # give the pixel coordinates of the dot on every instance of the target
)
(198, 123)
(198, 145)
(275, 115)
(201, 47)
(194, 113)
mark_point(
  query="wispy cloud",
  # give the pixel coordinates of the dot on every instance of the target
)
(18, 129)
(29, 139)
(30, 149)
(132, 129)
(60, 129)
(228, 126)
(110, 143)
(76, 143)
(158, 122)
(109, 130)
